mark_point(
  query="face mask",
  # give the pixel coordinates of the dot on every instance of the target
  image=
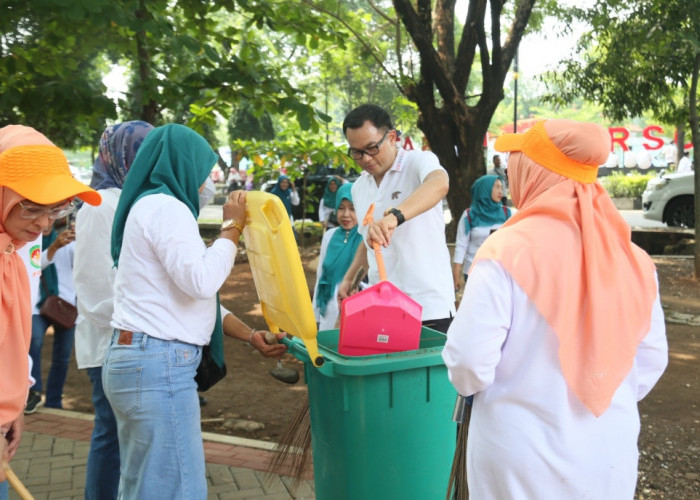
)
(207, 193)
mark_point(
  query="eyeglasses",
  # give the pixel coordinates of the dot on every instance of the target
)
(357, 154)
(31, 211)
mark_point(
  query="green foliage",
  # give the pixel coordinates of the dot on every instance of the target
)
(296, 154)
(620, 185)
(636, 57)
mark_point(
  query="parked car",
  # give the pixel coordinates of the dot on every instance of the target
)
(670, 198)
(315, 185)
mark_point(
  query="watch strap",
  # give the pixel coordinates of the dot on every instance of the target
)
(230, 224)
(400, 219)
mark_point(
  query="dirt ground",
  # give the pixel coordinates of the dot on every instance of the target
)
(250, 403)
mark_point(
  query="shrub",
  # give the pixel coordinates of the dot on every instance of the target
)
(620, 185)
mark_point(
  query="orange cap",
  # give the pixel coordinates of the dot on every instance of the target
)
(536, 145)
(40, 174)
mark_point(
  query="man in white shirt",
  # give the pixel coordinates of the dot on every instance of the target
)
(407, 188)
(685, 165)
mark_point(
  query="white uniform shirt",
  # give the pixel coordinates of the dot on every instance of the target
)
(167, 278)
(417, 261)
(324, 212)
(466, 244)
(685, 165)
(63, 262)
(327, 320)
(529, 436)
(93, 276)
(30, 254)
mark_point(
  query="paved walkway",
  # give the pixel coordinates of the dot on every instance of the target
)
(52, 456)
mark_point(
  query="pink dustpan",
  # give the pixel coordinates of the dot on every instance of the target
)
(381, 319)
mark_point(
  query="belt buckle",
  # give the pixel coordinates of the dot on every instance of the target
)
(125, 337)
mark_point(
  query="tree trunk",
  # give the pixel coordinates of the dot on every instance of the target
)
(695, 134)
(148, 111)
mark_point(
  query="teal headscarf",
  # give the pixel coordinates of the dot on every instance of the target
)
(483, 210)
(49, 275)
(339, 254)
(173, 160)
(284, 194)
(329, 197)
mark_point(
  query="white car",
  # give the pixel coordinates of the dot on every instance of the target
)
(670, 198)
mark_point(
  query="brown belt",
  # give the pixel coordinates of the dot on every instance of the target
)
(125, 337)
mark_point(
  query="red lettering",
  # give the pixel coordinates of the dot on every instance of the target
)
(687, 145)
(408, 144)
(658, 142)
(624, 135)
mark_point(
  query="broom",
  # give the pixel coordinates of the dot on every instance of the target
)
(457, 484)
(292, 452)
(16, 484)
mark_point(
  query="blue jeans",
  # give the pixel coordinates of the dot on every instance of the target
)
(150, 386)
(102, 476)
(60, 357)
(4, 493)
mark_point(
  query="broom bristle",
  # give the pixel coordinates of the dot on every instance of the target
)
(293, 451)
(457, 486)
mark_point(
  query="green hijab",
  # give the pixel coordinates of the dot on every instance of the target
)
(339, 254)
(329, 197)
(172, 160)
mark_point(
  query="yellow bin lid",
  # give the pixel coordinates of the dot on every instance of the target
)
(277, 270)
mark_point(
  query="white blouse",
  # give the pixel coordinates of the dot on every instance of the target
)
(167, 278)
(529, 436)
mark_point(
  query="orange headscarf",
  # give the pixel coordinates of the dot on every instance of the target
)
(570, 250)
(15, 300)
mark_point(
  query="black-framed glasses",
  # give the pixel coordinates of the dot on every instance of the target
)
(31, 211)
(357, 154)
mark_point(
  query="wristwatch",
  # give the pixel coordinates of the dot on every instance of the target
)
(400, 219)
(230, 224)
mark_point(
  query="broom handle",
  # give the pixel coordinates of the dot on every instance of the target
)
(16, 483)
(368, 219)
(380, 260)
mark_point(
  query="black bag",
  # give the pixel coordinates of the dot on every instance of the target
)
(59, 312)
(208, 372)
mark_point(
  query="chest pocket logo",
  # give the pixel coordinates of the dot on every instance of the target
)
(395, 195)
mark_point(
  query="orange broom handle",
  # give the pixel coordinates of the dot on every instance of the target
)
(16, 484)
(368, 219)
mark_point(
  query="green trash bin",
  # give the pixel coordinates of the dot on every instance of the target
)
(381, 425)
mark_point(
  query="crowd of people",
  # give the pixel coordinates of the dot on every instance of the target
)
(558, 335)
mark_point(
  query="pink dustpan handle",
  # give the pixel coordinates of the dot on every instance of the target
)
(369, 218)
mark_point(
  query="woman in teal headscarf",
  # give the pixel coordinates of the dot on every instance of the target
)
(326, 207)
(484, 216)
(165, 311)
(337, 251)
(287, 192)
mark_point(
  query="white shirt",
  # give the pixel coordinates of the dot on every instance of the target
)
(466, 244)
(167, 278)
(324, 212)
(30, 254)
(417, 261)
(685, 165)
(63, 262)
(327, 320)
(529, 436)
(93, 276)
